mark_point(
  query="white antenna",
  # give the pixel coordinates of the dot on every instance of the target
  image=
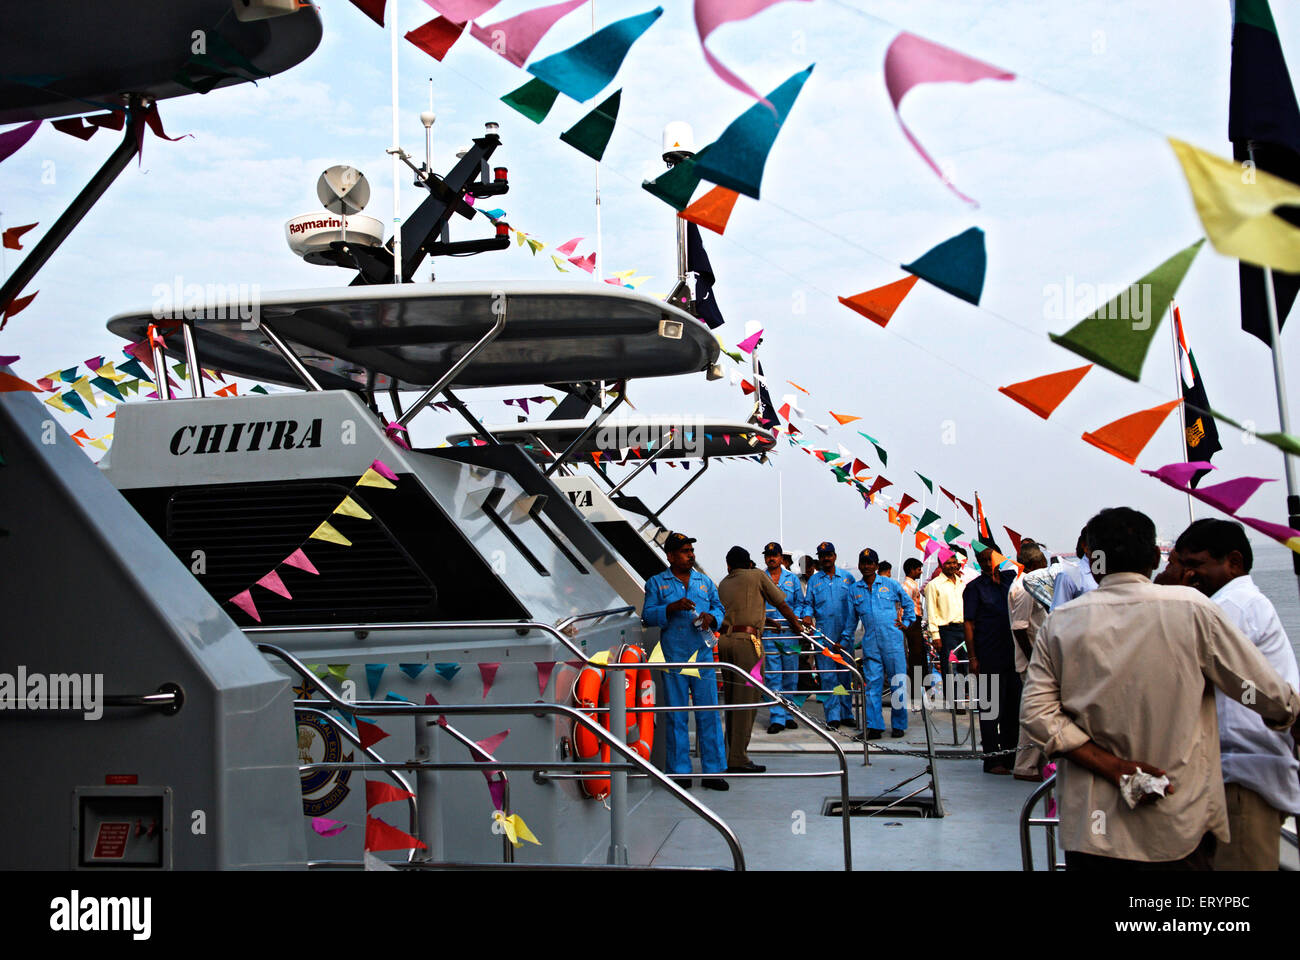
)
(597, 274)
(397, 163)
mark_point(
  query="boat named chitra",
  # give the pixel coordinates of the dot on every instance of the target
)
(307, 641)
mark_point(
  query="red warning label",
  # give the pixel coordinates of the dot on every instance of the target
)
(110, 842)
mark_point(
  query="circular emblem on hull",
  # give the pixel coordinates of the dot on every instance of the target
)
(322, 790)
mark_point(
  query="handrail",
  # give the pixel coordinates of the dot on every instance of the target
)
(586, 432)
(409, 709)
(167, 700)
(454, 370)
(1026, 849)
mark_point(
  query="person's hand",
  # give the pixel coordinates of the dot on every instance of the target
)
(807, 621)
(677, 606)
(974, 664)
(706, 620)
(1128, 767)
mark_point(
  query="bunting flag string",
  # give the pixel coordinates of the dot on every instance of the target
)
(297, 559)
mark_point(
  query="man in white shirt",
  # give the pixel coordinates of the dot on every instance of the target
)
(1260, 772)
(1118, 684)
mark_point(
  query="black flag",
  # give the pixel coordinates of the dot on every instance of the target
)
(706, 304)
(1262, 110)
(1201, 438)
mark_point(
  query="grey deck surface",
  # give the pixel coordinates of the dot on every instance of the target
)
(979, 832)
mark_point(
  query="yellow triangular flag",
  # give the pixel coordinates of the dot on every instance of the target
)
(1236, 207)
(373, 479)
(601, 657)
(108, 373)
(657, 654)
(558, 261)
(507, 826)
(326, 532)
(83, 389)
(522, 831)
(99, 444)
(690, 671)
(839, 690)
(338, 670)
(624, 274)
(635, 282)
(350, 508)
(57, 403)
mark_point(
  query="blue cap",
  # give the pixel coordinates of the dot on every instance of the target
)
(824, 548)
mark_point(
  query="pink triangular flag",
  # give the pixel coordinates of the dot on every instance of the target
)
(568, 247)
(756, 671)
(1178, 475)
(273, 583)
(497, 788)
(244, 601)
(587, 263)
(931, 546)
(327, 827)
(711, 14)
(944, 554)
(544, 669)
(912, 60)
(516, 37)
(1230, 495)
(749, 343)
(484, 748)
(489, 673)
(383, 470)
(299, 559)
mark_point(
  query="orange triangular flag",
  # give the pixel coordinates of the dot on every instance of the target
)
(1125, 437)
(1044, 394)
(9, 382)
(797, 387)
(712, 210)
(841, 418)
(879, 304)
(378, 792)
(921, 538)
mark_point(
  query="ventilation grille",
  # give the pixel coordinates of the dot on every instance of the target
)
(243, 532)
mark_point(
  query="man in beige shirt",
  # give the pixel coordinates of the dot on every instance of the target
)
(745, 593)
(1027, 617)
(1121, 673)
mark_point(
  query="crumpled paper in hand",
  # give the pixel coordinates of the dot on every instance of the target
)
(1134, 786)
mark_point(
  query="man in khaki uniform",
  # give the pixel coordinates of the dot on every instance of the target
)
(745, 593)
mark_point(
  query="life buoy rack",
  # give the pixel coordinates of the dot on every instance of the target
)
(591, 690)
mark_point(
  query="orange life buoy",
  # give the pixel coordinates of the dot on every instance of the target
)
(591, 690)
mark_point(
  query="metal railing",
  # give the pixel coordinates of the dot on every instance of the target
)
(618, 772)
(1041, 793)
(632, 760)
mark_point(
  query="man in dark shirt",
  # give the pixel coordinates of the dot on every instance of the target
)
(987, 622)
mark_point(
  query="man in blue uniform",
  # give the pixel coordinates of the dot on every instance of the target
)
(826, 606)
(684, 604)
(781, 654)
(883, 606)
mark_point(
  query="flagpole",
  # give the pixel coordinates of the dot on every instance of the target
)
(1279, 379)
(1174, 326)
(396, 149)
(597, 274)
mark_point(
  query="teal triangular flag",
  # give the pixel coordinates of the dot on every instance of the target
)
(951, 534)
(132, 368)
(262, 390)
(676, 185)
(413, 670)
(74, 401)
(534, 100)
(106, 385)
(928, 485)
(955, 266)
(69, 375)
(738, 156)
(1118, 334)
(880, 451)
(392, 696)
(447, 670)
(591, 134)
(927, 518)
(374, 674)
(976, 547)
(586, 68)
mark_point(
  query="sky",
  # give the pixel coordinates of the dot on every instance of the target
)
(1075, 182)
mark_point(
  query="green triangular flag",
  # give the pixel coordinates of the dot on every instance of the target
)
(955, 266)
(591, 134)
(841, 473)
(107, 386)
(976, 547)
(676, 185)
(179, 368)
(1117, 335)
(927, 518)
(534, 99)
(880, 451)
(258, 389)
(1283, 441)
(951, 534)
(928, 485)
